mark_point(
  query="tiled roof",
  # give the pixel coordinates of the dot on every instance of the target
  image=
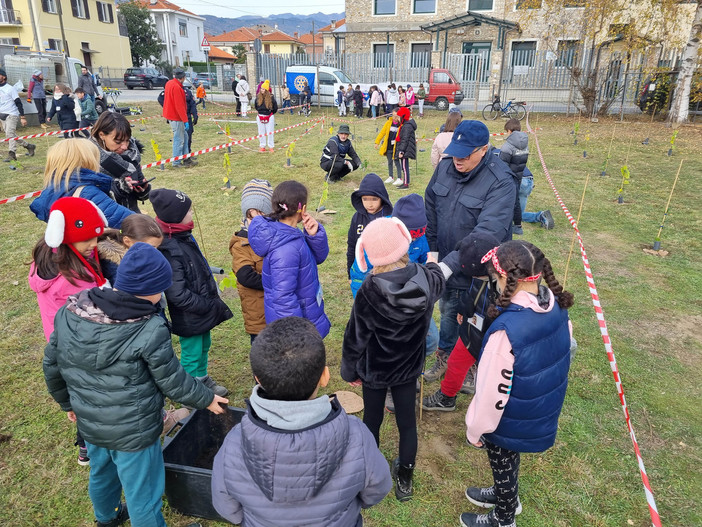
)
(216, 53)
(277, 36)
(243, 34)
(336, 25)
(306, 39)
(165, 4)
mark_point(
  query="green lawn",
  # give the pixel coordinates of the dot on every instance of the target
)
(589, 478)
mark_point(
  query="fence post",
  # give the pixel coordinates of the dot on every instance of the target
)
(476, 89)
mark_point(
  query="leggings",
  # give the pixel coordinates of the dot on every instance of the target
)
(459, 362)
(404, 171)
(403, 396)
(505, 473)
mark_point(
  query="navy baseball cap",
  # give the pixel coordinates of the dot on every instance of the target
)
(468, 136)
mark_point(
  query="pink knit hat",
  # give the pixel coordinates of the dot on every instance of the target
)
(384, 241)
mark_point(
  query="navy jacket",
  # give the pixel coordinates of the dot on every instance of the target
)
(458, 204)
(64, 109)
(371, 185)
(290, 279)
(541, 346)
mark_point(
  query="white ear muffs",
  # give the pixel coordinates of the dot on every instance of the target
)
(361, 255)
(102, 215)
(55, 229)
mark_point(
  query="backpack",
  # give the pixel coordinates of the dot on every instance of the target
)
(162, 97)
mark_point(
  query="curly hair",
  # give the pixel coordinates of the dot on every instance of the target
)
(519, 260)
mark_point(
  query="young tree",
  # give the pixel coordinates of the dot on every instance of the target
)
(681, 101)
(239, 51)
(143, 37)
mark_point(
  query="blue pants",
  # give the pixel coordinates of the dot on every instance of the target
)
(524, 190)
(449, 305)
(286, 104)
(432, 340)
(180, 142)
(142, 476)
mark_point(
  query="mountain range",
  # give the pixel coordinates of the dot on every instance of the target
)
(286, 22)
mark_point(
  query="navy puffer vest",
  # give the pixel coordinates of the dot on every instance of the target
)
(541, 346)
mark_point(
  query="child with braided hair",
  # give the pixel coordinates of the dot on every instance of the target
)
(522, 375)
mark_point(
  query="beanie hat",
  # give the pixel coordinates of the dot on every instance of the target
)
(73, 220)
(3, 72)
(410, 211)
(143, 271)
(405, 113)
(471, 250)
(257, 195)
(170, 206)
(384, 241)
(266, 85)
(36, 73)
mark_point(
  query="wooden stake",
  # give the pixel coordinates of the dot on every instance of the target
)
(572, 241)
(421, 394)
(609, 152)
(665, 213)
(626, 162)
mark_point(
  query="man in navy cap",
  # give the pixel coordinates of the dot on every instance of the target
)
(470, 191)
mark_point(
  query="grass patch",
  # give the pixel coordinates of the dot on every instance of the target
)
(590, 477)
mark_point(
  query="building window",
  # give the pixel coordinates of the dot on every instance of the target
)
(182, 28)
(528, 4)
(383, 55)
(383, 7)
(80, 9)
(49, 6)
(55, 44)
(10, 41)
(420, 56)
(618, 30)
(566, 53)
(424, 6)
(104, 12)
(479, 5)
(523, 53)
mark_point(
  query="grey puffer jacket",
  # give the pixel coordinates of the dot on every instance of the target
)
(319, 476)
(110, 361)
(515, 152)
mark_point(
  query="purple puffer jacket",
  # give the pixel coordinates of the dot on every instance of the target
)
(319, 476)
(290, 281)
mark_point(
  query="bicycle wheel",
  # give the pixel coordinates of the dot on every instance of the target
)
(490, 112)
(511, 113)
(521, 111)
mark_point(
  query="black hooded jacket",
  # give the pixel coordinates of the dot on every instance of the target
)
(384, 341)
(371, 185)
(407, 140)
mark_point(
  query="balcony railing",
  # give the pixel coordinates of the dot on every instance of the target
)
(10, 16)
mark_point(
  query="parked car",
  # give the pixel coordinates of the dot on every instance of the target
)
(144, 77)
(206, 80)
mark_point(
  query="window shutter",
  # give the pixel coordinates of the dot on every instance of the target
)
(45, 6)
(112, 17)
(99, 12)
(74, 7)
(87, 10)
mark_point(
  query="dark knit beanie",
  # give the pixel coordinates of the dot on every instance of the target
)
(170, 206)
(257, 195)
(410, 210)
(143, 271)
(471, 250)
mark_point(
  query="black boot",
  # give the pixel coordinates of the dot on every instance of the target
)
(402, 474)
(122, 517)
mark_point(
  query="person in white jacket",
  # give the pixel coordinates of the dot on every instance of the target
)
(242, 90)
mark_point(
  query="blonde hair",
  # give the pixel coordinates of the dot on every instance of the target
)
(402, 262)
(67, 157)
(64, 88)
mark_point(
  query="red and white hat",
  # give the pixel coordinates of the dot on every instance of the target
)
(73, 220)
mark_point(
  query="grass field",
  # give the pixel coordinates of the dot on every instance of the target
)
(589, 478)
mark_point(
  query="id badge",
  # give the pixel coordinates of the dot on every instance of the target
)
(320, 296)
(477, 321)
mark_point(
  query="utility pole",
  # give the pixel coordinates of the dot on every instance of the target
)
(314, 45)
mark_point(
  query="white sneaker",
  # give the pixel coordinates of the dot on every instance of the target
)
(389, 180)
(398, 182)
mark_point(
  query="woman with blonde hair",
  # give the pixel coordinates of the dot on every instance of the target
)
(72, 170)
(266, 108)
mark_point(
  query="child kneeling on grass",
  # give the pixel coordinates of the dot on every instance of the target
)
(384, 342)
(522, 375)
(109, 364)
(296, 458)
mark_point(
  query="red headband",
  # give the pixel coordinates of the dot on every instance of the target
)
(492, 254)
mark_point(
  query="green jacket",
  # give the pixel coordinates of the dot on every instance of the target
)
(87, 109)
(110, 361)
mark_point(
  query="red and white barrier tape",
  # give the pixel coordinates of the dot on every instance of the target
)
(653, 510)
(278, 147)
(43, 134)
(21, 196)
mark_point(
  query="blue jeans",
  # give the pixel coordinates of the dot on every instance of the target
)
(180, 143)
(374, 110)
(449, 305)
(524, 191)
(432, 340)
(142, 476)
(286, 104)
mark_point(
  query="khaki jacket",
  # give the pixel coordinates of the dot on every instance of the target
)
(251, 299)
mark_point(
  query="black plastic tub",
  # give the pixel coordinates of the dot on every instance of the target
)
(188, 455)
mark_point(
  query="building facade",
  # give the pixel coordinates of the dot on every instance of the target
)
(180, 31)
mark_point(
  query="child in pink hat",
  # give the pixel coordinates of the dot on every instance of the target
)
(384, 341)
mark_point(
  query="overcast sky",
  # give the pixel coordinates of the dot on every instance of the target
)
(236, 8)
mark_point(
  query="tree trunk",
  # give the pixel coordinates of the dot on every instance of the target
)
(681, 102)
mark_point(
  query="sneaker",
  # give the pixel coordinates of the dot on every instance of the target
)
(437, 370)
(438, 402)
(469, 382)
(398, 182)
(212, 385)
(469, 519)
(122, 517)
(83, 458)
(30, 149)
(389, 404)
(270, 149)
(262, 149)
(547, 219)
(517, 229)
(403, 187)
(389, 180)
(172, 417)
(485, 497)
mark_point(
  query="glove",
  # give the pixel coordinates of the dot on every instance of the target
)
(29, 99)
(195, 121)
(187, 125)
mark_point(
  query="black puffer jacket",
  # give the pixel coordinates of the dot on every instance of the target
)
(193, 300)
(64, 110)
(384, 341)
(406, 141)
(110, 361)
(515, 152)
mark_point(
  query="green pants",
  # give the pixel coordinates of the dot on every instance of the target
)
(193, 353)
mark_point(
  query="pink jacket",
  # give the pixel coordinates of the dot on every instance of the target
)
(437, 149)
(52, 294)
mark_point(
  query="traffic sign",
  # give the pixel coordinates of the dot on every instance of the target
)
(205, 43)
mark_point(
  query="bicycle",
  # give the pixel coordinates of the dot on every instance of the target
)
(511, 110)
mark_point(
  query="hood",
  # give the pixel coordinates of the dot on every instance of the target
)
(372, 185)
(400, 295)
(519, 139)
(111, 250)
(291, 467)
(41, 205)
(266, 235)
(411, 124)
(37, 283)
